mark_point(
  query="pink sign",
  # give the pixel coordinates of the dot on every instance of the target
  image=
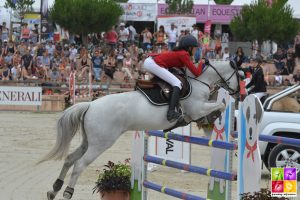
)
(218, 13)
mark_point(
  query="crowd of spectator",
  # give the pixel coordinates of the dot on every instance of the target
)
(120, 51)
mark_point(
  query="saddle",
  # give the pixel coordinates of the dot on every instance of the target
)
(157, 91)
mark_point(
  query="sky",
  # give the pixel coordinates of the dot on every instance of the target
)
(295, 4)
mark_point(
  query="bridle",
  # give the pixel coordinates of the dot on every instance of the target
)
(224, 82)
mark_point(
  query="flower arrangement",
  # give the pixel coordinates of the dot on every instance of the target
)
(113, 178)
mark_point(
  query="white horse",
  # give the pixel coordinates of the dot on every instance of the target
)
(105, 119)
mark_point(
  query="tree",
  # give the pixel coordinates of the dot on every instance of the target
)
(228, 2)
(84, 17)
(180, 6)
(260, 21)
(20, 7)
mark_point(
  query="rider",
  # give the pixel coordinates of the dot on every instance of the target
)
(257, 84)
(180, 57)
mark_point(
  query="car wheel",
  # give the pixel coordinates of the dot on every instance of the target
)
(285, 156)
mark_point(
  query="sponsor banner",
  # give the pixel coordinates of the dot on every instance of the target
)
(181, 22)
(20, 95)
(218, 13)
(139, 11)
(31, 19)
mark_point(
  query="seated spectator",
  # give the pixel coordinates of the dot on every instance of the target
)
(17, 59)
(225, 54)
(287, 82)
(45, 64)
(22, 48)
(27, 74)
(8, 59)
(290, 61)
(50, 47)
(278, 78)
(54, 74)
(279, 59)
(239, 57)
(27, 62)
(296, 77)
(84, 64)
(127, 66)
(110, 64)
(15, 72)
(120, 52)
(6, 73)
(218, 47)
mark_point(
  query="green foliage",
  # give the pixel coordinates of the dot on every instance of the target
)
(228, 2)
(180, 6)
(84, 17)
(21, 6)
(264, 194)
(261, 22)
(114, 177)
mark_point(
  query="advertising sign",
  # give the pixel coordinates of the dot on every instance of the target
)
(181, 22)
(218, 13)
(31, 19)
(139, 11)
(20, 95)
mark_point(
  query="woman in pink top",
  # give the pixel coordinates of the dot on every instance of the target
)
(25, 33)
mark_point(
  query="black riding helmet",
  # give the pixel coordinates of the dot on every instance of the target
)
(188, 41)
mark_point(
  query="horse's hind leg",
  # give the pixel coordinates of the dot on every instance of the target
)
(69, 161)
(91, 154)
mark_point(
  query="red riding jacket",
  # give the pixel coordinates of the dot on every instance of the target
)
(177, 59)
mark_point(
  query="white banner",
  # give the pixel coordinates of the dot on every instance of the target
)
(20, 95)
(182, 22)
(139, 11)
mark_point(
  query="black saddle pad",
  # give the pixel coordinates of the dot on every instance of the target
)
(156, 95)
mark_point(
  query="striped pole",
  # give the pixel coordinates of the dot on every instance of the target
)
(171, 192)
(276, 139)
(191, 168)
(194, 140)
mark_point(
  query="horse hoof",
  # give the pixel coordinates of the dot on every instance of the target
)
(50, 195)
(67, 195)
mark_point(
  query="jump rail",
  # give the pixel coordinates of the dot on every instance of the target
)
(191, 168)
(171, 192)
(193, 140)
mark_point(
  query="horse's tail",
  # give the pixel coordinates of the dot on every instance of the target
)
(67, 126)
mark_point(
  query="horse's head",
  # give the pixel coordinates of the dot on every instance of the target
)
(225, 74)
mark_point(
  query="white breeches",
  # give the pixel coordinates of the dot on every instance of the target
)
(151, 66)
(260, 94)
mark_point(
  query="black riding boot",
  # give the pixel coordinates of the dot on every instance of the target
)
(172, 114)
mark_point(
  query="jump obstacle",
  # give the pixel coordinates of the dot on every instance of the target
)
(249, 185)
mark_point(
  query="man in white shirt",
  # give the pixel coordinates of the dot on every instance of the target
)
(123, 34)
(172, 37)
(195, 32)
(73, 53)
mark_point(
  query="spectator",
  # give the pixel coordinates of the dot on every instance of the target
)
(27, 60)
(35, 34)
(123, 34)
(132, 34)
(218, 46)
(297, 46)
(127, 66)
(239, 57)
(17, 59)
(160, 36)
(84, 64)
(54, 74)
(279, 59)
(110, 64)
(205, 43)
(97, 61)
(278, 78)
(290, 61)
(22, 48)
(287, 82)
(4, 32)
(182, 34)
(25, 33)
(4, 49)
(40, 50)
(226, 54)
(120, 52)
(50, 47)
(45, 64)
(147, 36)
(111, 38)
(8, 59)
(172, 37)
(73, 53)
(296, 77)
(195, 32)
(66, 51)
(6, 73)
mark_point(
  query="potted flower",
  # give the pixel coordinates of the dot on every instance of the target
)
(114, 181)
